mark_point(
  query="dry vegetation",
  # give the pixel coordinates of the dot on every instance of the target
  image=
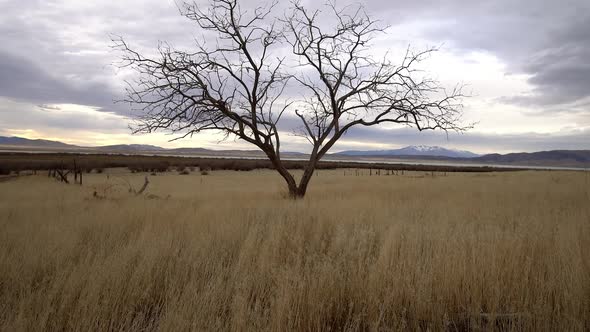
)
(225, 251)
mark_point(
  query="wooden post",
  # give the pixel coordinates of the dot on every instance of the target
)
(75, 172)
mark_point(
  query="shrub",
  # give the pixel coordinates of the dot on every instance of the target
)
(246, 168)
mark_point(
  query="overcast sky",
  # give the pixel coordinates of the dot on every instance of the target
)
(526, 63)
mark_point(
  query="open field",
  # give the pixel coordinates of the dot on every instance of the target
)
(227, 251)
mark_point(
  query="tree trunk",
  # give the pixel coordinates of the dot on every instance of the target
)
(291, 184)
(307, 175)
(295, 192)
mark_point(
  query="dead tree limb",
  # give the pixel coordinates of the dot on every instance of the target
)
(63, 175)
(143, 188)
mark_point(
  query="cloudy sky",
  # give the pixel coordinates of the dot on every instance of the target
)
(526, 64)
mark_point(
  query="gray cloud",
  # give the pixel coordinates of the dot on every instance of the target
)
(547, 40)
(66, 46)
(26, 116)
(56, 52)
(23, 79)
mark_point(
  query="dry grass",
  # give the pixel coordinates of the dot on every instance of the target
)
(225, 252)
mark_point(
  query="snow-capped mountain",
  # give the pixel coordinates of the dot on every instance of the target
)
(420, 150)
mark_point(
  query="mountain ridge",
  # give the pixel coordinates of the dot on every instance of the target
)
(20, 141)
(570, 158)
(413, 150)
(134, 147)
(15, 142)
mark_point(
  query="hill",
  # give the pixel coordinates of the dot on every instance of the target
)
(19, 141)
(556, 158)
(420, 150)
(129, 148)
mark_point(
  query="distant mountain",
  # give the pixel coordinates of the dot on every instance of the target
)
(420, 150)
(556, 157)
(14, 143)
(19, 141)
(189, 150)
(126, 148)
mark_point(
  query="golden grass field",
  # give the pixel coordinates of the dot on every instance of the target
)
(228, 251)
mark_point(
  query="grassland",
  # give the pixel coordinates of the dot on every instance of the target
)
(227, 251)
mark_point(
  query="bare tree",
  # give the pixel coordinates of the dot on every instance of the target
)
(236, 85)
